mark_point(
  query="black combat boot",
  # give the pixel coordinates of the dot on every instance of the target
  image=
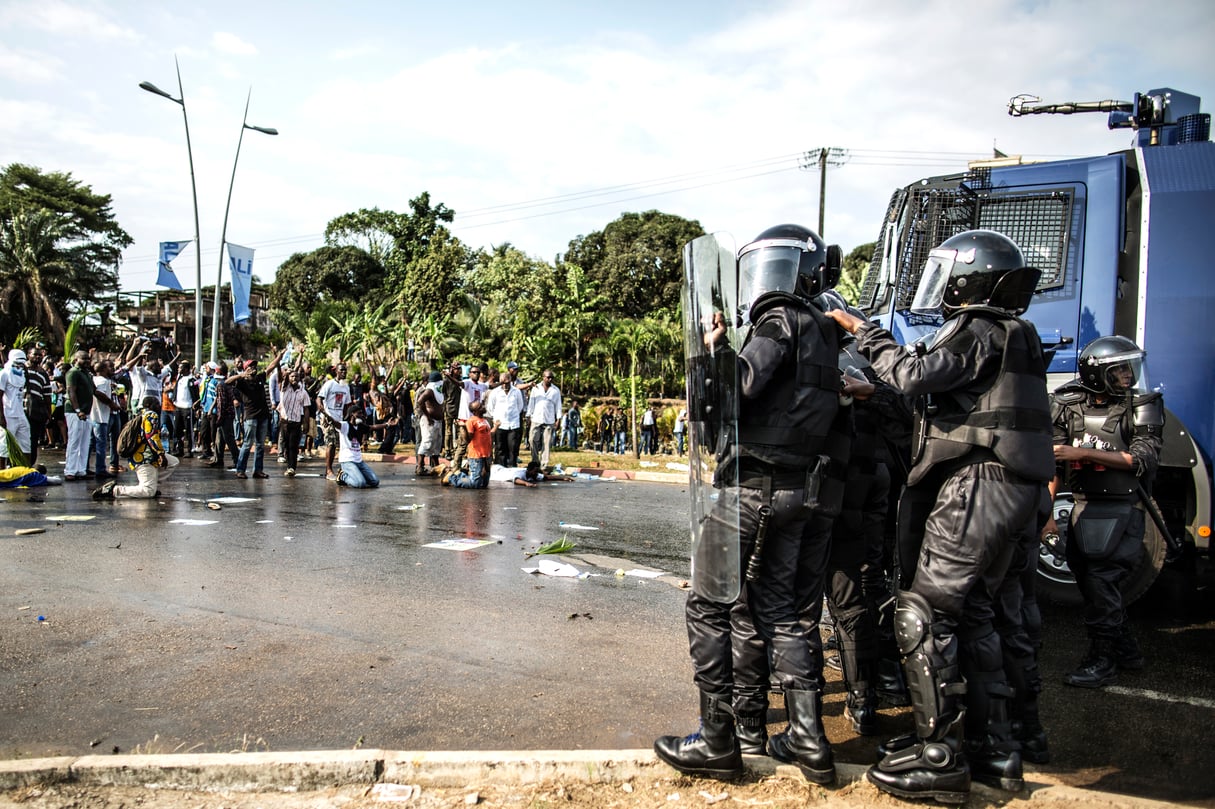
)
(711, 752)
(891, 684)
(752, 732)
(1097, 668)
(926, 769)
(804, 743)
(1032, 737)
(995, 760)
(1026, 726)
(860, 706)
(1126, 652)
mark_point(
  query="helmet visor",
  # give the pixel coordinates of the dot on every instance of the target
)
(930, 293)
(1123, 372)
(770, 266)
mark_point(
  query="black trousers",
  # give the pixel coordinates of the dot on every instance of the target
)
(506, 446)
(767, 613)
(290, 431)
(1100, 580)
(972, 524)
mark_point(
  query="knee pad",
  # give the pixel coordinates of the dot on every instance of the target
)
(930, 666)
(912, 621)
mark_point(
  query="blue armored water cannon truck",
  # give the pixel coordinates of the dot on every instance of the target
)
(1126, 245)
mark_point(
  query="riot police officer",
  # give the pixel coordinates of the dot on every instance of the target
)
(981, 457)
(787, 399)
(1108, 432)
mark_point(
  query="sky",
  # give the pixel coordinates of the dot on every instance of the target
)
(538, 122)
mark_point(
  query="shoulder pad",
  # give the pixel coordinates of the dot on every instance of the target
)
(1070, 393)
(1148, 409)
(945, 333)
(1141, 399)
(770, 299)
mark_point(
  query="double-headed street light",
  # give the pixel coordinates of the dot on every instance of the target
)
(223, 237)
(152, 88)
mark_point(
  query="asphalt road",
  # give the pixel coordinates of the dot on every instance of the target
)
(314, 617)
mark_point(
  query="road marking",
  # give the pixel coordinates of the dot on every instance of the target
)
(1159, 697)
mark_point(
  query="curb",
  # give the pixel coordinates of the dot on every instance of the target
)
(314, 770)
(599, 472)
(319, 770)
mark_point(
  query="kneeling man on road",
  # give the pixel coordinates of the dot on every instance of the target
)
(150, 462)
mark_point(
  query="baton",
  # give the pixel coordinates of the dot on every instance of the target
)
(1150, 507)
(761, 531)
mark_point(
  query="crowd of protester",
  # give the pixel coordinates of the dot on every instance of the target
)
(234, 416)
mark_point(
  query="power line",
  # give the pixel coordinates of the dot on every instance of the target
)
(580, 200)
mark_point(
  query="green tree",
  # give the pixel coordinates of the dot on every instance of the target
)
(38, 277)
(578, 308)
(328, 274)
(636, 261)
(87, 218)
(394, 239)
(633, 337)
(856, 264)
(429, 285)
(60, 248)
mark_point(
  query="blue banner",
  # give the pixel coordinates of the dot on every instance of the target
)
(240, 261)
(169, 251)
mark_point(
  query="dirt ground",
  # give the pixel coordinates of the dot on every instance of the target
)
(670, 793)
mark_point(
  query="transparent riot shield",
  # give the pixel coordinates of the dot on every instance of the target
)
(711, 342)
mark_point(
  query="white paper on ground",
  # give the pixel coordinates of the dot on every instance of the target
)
(549, 567)
(193, 522)
(458, 544)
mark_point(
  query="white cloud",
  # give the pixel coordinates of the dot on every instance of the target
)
(230, 43)
(29, 66)
(489, 120)
(91, 21)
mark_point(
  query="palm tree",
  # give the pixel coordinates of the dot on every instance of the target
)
(633, 337)
(37, 276)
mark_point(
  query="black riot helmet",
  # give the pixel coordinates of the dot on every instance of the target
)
(786, 258)
(1113, 365)
(975, 268)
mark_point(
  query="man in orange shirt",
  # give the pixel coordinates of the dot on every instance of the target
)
(480, 448)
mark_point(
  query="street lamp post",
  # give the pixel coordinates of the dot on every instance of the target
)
(223, 236)
(152, 88)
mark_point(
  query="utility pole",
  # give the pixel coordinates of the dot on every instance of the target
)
(821, 158)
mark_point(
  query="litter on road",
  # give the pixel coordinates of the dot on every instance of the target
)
(458, 544)
(192, 522)
(549, 567)
(71, 518)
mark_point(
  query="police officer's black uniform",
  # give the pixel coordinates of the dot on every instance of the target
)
(1105, 534)
(980, 460)
(788, 398)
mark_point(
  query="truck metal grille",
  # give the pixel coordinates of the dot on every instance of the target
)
(1039, 222)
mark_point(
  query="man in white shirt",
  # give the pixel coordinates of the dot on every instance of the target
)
(99, 416)
(504, 408)
(544, 410)
(333, 397)
(183, 416)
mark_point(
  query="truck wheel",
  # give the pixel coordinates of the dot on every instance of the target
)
(1057, 584)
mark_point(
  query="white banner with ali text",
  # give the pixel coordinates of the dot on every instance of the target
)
(240, 261)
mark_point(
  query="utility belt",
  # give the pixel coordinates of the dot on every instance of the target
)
(981, 455)
(822, 482)
(753, 474)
